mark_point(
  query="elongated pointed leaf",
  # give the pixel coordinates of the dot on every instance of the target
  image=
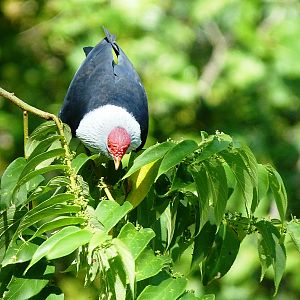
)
(218, 189)
(293, 230)
(69, 243)
(141, 182)
(23, 288)
(46, 247)
(42, 146)
(148, 264)
(201, 180)
(213, 145)
(41, 171)
(203, 243)
(176, 155)
(152, 154)
(34, 162)
(244, 184)
(135, 240)
(223, 254)
(80, 160)
(53, 210)
(18, 252)
(169, 289)
(279, 192)
(272, 250)
(9, 181)
(41, 133)
(116, 278)
(58, 222)
(109, 213)
(128, 263)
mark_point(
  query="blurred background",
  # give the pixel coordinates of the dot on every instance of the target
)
(224, 65)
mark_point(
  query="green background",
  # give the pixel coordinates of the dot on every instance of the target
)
(224, 65)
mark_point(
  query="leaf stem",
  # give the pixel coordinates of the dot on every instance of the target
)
(25, 125)
(47, 116)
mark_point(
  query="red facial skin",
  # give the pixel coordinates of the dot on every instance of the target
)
(118, 142)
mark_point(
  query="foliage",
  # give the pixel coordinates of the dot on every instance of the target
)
(122, 232)
(206, 65)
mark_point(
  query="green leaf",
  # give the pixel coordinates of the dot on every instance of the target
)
(148, 264)
(57, 297)
(46, 247)
(293, 230)
(69, 243)
(40, 158)
(79, 161)
(136, 240)
(58, 222)
(98, 238)
(18, 252)
(171, 288)
(222, 255)
(203, 243)
(9, 181)
(208, 297)
(38, 213)
(218, 189)
(41, 171)
(116, 278)
(128, 262)
(272, 250)
(279, 192)
(213, 145)
(244, 184)
(23, 288)
(176, 155)
(201, 179)
(42, 146)
(41, 133)
(141, 182)
(109, 213)
(151, 154)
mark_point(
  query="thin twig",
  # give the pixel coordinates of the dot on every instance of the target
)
(47, 116)
(25, 125)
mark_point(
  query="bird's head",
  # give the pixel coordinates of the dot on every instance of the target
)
(118, 141)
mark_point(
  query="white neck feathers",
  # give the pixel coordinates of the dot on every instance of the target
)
(96, 125)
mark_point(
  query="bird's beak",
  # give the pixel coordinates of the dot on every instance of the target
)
(117, 161)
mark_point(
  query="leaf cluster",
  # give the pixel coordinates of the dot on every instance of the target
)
(120, 233)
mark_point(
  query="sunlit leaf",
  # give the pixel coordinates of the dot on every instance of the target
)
(109, 213)
(9, 181)
(135, 239)
(171, 288)
(23, 288)
(293, 230)
(279, 192)
(140, 183)
(128, 262)
(49, 245)
(34, 162)
(150, 155)
(148, 264)
(18, 252)
(68, 243)
(79, 161)
(176, 155)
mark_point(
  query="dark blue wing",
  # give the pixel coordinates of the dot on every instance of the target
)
(100, 81)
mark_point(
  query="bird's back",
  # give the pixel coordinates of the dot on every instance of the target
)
(100, 81)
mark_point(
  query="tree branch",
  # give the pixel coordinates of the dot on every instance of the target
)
(47, 116)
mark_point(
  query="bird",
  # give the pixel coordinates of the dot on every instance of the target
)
(106, 104)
